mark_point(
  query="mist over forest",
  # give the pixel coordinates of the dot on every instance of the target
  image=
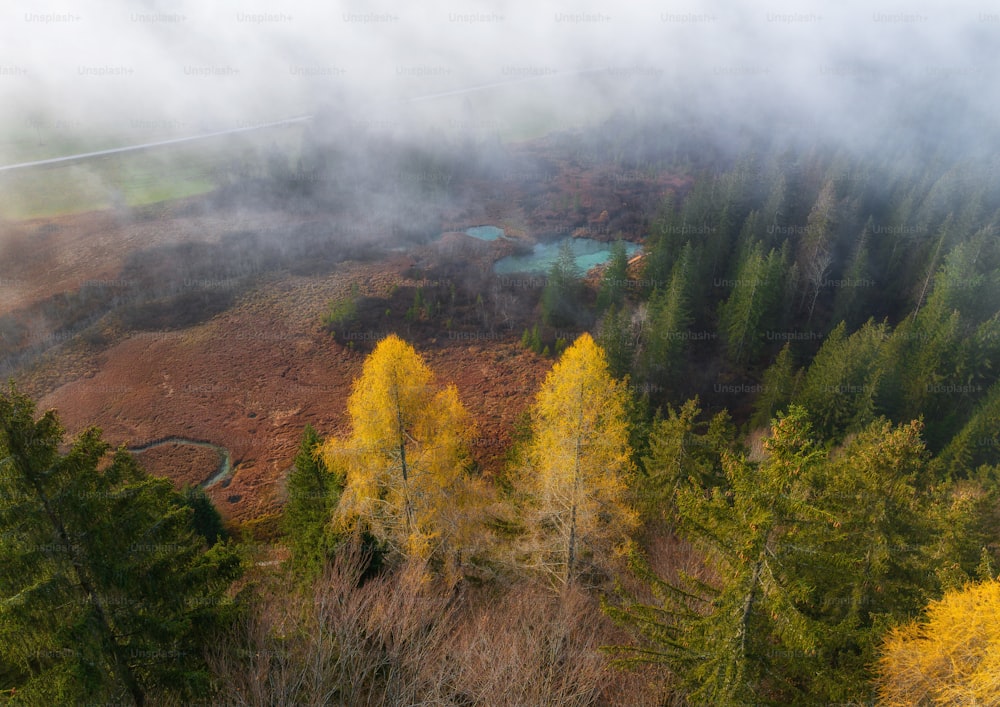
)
(499, 353)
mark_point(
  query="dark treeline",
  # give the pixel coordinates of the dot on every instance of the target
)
(870, 291)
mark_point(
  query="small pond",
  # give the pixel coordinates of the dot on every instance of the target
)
(485, 233)
(588, 253)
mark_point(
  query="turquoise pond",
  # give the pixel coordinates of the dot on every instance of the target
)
(485, 233)
(588, 253)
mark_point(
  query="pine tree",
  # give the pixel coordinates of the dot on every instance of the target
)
(932, 266)
(852, 300)
(753, 305)
(901, 217)
(617, 340)
(404, 459)
(578, 469)
(533, 339)
(561, 295)
(842, 386)
(773, 213)
(313, 492)
(977, 442)
(951, 344)
(108, 592)
(808, 555)
(778, 388)
(819, 226)
(724, 640)
(205, 517)
(663, 244)
(750, 233)
(668, 316)
(615, 279)
(683, 449)
(875, 559)
(959, 283)
(815, 251)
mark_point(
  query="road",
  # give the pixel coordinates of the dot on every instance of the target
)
(150, 145)
(287, 121)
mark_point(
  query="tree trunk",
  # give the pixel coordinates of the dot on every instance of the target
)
(571, 555)
(571, 552)
(407, 505)
(930, 276)
(748, 602)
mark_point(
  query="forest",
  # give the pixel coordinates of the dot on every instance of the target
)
(762, 469)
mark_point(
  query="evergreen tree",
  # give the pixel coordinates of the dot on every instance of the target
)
(615, 279)
(108, 592)
(820, 224)
(900, 219)
(808, 555)
(931, 267)
(977, 442)
(816, 247)
(668, 316)
(750, 234)
(875, 561)
(205, 517)
(313, 492)
(948, 359)
(934, 364)
(961, 283)
(964, 518)
(724, 640)
(842, 386)
(616, 338)
(663, 244)
(683, 449)
(561, 296)
(753, 305)
(778, 388)
(535, 340)
(852, 299)
(772, 215)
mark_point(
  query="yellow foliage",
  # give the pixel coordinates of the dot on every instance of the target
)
(404, 458)
(578, 462)
(951, 658)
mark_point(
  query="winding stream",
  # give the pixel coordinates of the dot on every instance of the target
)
(225, 467)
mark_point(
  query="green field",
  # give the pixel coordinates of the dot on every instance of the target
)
(516, 112)
(134, 178)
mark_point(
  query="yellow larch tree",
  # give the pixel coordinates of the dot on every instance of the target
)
(405, 456)
(950, 658)
(577, 467)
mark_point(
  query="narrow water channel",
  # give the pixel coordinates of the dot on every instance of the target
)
(224, 469)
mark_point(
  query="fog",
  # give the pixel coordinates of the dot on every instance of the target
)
(851, 74)
(405, 121)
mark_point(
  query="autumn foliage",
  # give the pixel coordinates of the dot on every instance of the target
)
(405, 456)
(577, 471)
(950, 658)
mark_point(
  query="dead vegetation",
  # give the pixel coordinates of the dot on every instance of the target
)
(402, 638)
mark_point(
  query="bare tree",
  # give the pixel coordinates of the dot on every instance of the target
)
(816, 271)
